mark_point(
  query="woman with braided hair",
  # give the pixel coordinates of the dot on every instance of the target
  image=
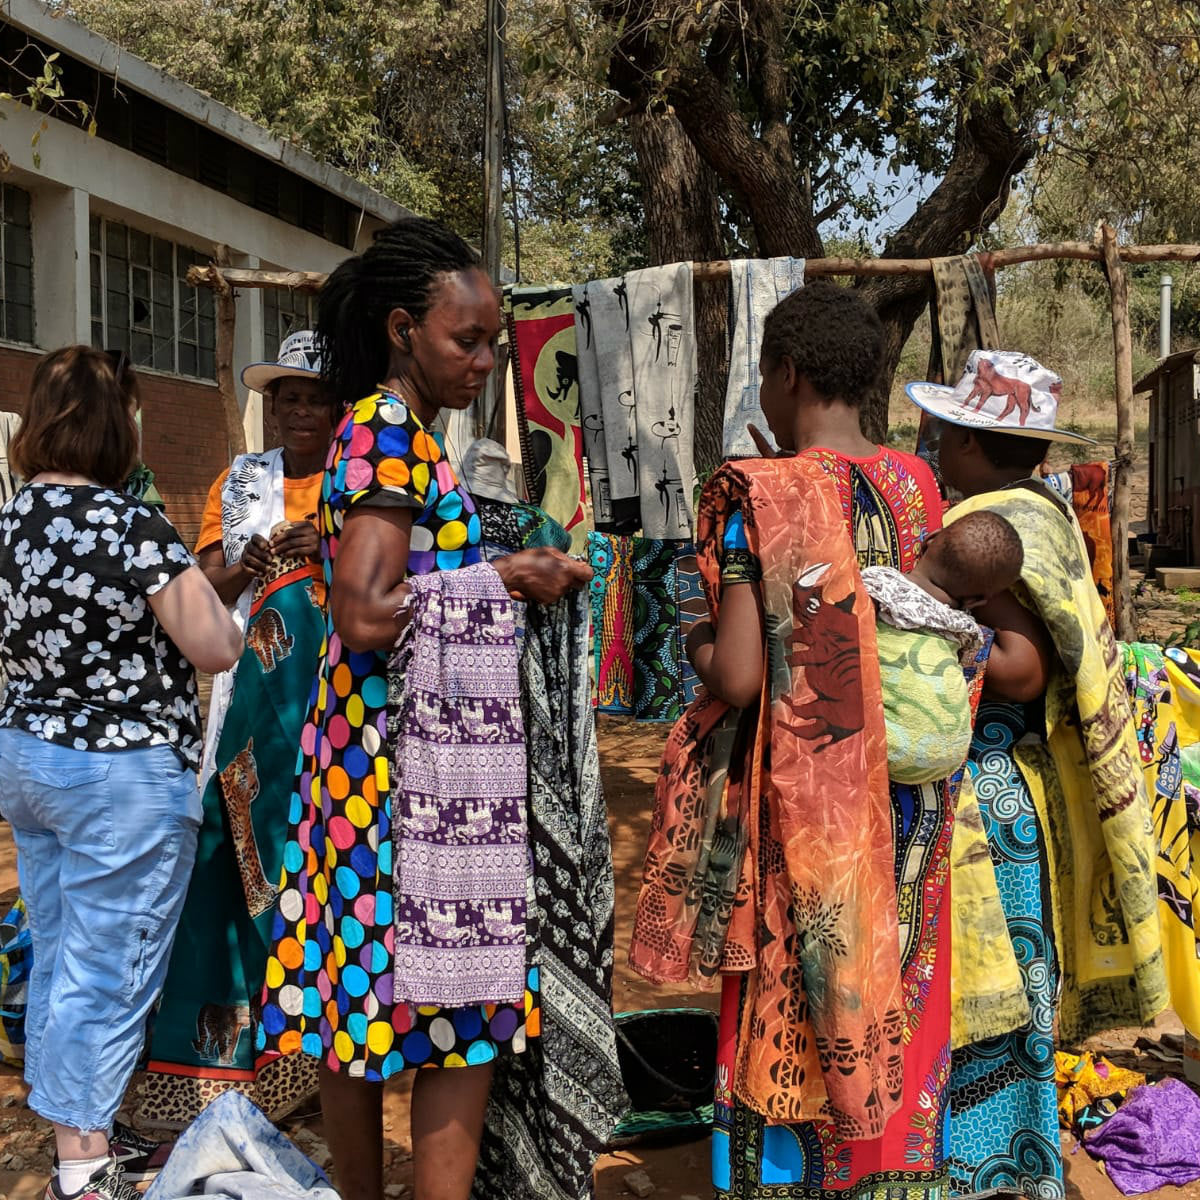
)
(405, 329)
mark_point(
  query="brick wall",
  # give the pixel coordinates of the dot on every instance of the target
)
(183, 434)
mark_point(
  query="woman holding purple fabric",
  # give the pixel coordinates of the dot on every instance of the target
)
(406, 329)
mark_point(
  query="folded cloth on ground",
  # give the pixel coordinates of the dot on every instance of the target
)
(1153, 1139)
(1090, 1089)
(231, 1150)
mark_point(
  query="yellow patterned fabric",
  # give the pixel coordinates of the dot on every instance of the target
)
(1084, 1079)
(1088, 784)
(987, 997)
(1165, 690)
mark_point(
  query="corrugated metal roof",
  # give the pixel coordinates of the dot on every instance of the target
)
(1166, 366)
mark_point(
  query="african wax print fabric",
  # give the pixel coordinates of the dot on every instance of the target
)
(756, 285)
(1090, 1089)
(203, 1038)
(822, 894)
(1090, 502)
(458, 794)
(611, 591)
(691, 608)
(541, 325)
(1004, 1129)
(656, 665)
(553, 1109)
(1164, 688)
(1092, 803)
(329, 973)
(888, 503)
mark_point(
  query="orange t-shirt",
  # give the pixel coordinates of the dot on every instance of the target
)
(301, 502)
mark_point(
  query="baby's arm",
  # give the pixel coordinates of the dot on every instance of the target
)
(1018, 667)
(729, 658)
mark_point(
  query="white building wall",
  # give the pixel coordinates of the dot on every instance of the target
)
(78, 175)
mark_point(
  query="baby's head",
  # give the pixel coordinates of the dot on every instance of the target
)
(971, 560)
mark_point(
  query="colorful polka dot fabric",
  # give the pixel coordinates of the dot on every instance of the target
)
(329, 975)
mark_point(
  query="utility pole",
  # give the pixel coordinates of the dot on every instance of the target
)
(493, 182)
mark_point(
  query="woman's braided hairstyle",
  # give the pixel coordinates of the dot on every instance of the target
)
(398, 270)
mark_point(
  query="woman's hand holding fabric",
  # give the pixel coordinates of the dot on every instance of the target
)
(256, 557)
(543, 575)
(298, 540)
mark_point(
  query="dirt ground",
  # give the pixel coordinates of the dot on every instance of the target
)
(630, 755)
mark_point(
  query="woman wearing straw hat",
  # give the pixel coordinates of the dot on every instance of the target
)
(260, 548)
(1058, 778)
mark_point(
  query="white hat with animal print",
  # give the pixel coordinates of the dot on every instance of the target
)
(1001, 390)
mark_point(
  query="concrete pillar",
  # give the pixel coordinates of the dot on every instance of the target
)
(61, 271)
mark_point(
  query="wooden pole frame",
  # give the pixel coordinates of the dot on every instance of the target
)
(1105, 250)
(1118, 283)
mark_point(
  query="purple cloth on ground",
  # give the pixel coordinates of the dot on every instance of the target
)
(1153, 1139)
(459, 787)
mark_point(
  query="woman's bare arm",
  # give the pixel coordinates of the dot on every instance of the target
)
(197, 621)
(1018, 667)
(368, 576)
(729, 659)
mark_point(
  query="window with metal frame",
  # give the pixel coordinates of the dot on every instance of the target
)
(16, 253)
(142, 302)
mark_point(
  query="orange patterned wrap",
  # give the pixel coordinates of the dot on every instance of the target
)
(815, 920)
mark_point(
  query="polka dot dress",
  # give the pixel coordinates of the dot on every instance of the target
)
(329, 974)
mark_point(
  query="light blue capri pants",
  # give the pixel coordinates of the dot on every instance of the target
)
(106, 841)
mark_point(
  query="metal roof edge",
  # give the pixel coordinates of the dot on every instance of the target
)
(1165, 364)
(69, 36)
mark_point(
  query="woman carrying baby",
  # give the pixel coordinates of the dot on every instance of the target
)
(818, 889)
(1056, 771)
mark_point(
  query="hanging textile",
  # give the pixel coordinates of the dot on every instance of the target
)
(964, 316)
(656, 671)
(1086, 488)
(611, 557)
(546, 376)
(608, 310)
(662, 338)
(202, 1042)
(1164, 688)
(691, 608)
(457, 740)
(553, 1108)
(607, 514)
(756, 286)
(1090, 502)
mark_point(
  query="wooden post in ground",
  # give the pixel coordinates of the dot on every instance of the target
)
(235, 429)
(1123, 363)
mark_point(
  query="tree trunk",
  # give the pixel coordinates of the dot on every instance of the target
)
(681, 206)
(987, 154)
